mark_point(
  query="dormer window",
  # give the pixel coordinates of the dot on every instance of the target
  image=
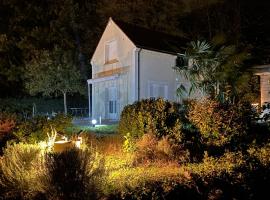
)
(111, 52)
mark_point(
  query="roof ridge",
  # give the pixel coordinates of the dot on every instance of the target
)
(143, 27)
(152, 39)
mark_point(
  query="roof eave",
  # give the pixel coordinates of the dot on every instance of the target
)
(157, 50)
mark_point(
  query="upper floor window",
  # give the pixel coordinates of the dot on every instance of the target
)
(110, 51)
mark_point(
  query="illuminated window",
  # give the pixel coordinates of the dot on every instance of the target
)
(111, 51)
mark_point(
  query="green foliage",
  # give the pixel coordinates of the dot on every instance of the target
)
(53, 73)
(20, 170)
(129, 143)
(158, 116)
(215, 167)
(219, 123)
(15, 106)
(36, 129)
(215, 70)
(73, 174)
(24, 106)
(260, 154)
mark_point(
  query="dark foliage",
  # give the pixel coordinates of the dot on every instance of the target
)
(7, 125)
(71, 175)
(159, 190)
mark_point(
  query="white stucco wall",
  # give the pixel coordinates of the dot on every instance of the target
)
(124, 49)
(125, 82)
(157, 67)
(265, 88)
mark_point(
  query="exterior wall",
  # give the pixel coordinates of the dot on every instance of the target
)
(123, 66)
(265, 88)
(100, 96)
(158, 67)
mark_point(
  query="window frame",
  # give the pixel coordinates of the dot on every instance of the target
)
(108, 60)
(158, 85)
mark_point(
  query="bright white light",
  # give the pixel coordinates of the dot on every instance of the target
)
(94, 121)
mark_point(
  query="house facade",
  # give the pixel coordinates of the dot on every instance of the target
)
(263, 71)
(131, 63)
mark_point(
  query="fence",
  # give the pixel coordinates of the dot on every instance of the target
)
(79, 112)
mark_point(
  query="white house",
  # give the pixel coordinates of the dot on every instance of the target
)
(132, 63)
(263, 71)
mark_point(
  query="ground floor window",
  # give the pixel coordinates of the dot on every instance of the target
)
(157, 89)
(112, 106)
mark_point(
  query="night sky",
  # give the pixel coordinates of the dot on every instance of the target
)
(27, 27)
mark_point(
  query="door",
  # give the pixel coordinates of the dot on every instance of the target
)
(112, 103)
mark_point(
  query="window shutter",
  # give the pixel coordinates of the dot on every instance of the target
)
(111, 51)
(156, 90)
(106, 100)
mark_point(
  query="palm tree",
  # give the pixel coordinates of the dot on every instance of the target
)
(214, 70)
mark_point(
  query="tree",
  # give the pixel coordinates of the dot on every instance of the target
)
(53, 73)
(216, 70)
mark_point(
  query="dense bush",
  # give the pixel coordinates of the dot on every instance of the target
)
(149, 148)
(218, 123)
(7, 125)
(73, 174)
(26, 172)
(36, 129)
(24, 106)
(169, 189)
(256, 172)
(21, 168)
(158, 116)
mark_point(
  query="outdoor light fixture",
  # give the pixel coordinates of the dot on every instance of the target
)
(94, 122)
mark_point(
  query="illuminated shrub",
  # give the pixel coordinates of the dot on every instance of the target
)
(260, 154)
(150, 148)
(219, 123)
(35, 129)
(21, 168)
(146, 148)
(129, 143)
(157, 116)
(73, 174)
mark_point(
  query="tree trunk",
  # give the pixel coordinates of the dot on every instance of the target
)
(65, 102)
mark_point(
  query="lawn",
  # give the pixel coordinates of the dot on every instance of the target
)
(97, 129)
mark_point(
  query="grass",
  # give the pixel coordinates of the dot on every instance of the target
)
(98, 129)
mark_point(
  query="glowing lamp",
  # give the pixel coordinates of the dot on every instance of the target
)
(94, 121)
